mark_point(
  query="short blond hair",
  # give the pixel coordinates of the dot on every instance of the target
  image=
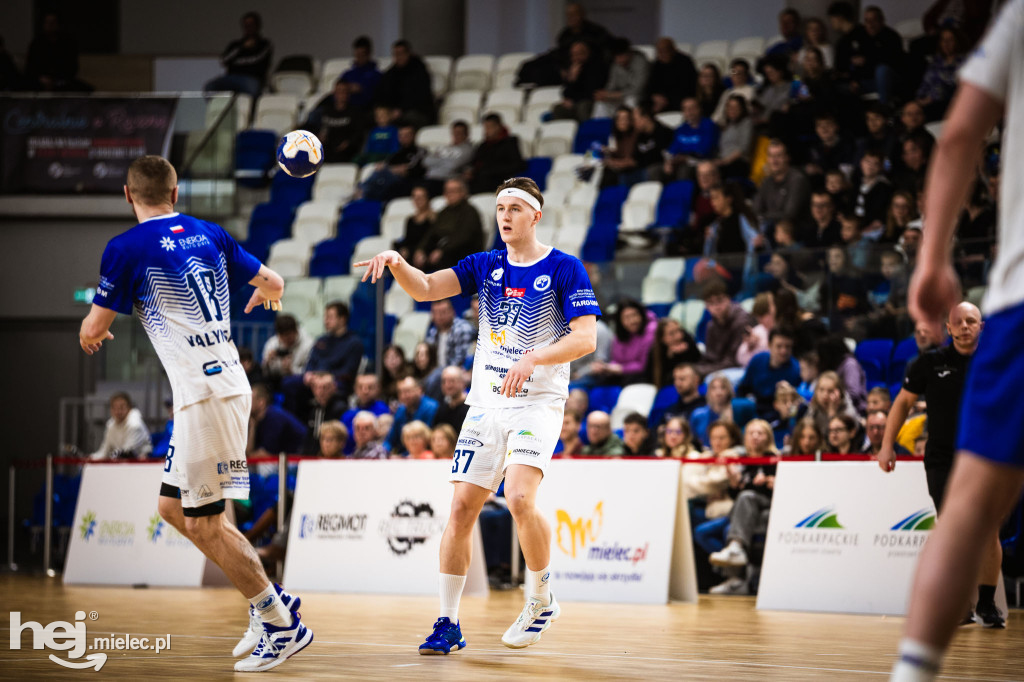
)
(525, 184)
(151, 180)
(336, 429)
(416, 428)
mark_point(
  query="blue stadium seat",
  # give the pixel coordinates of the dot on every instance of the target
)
(599, 244)
(290, 191)
(665, 398)
(874, 356)
(268, 223)
(331, 257)
(674, 204)
(255, 152)
(604, 398)
(608, 207)
(902, 354)
(537, 169)
(590, 131)
(362, 209)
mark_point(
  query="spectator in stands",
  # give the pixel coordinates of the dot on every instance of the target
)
(405, 88)
(424, 361)
(326, 405)
(884, 55)
(844, 291)
(874, 192)
(910, 176)
(339, 351)
(829, 401)
(366, 398)
(672, 347)
(788, 408)
(839, 187)
(874, 425)
(363, 76)
(736, 140)
(569, 442)
(687, 384)
(709, 89)
(449, 160)
(880, 135)
(453, 337)
(340, 126)
(835, 356)
(395, 368)
(735, 235)
(695, 139)
(416, 441)
(619, 155)
(414, 407)
(635, 436)
(879, 400)
(272, 430)
(856, 240)
(784, 192)
(851, 46)
(125, 435)
(452, 408)
(902, 211)
(635, 329)
(702, 212)
(889, 319)
(652, 139)
(443, 440)
(247, 61)
(712, 522)
(939, 82)
(842, 430)
(809, 373)
(382, 140)
(773, 98)
(725, 330)
(585, 75)
(578, 402)
(579, 28)
(626, 80)
(252, 369)
(767, 369)
(828, 150)
(815, 36)
(496, 158)
(52, 60)
(789, 30)
(456, 233)
(763, 311)
(602, 442)
(418, 224)
(912, 122)
(672, 78)
(331, 441)
(286, 353)
(806, 439)
(742, 85)
(396, 175)
(580, 371)
(824, 227)
(364, 432)
(721, 406)
(677, 443)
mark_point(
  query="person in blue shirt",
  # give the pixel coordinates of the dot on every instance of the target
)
(767, 369)
(695, 139)
(367, 397)
(363, 77)
(177, 273)
(273, 429)
(339, 352)
(721, 406)
(415, 407)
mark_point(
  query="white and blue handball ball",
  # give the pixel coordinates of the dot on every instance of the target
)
(300, 154)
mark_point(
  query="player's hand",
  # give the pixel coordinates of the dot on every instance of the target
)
(934, 290)
(517, 375)
(375, 266)
(257, 299)
(91, 348)
(887, 459)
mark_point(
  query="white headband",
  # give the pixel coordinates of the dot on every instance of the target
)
(519, 194)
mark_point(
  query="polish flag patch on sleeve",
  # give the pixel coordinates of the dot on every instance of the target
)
(177, 228)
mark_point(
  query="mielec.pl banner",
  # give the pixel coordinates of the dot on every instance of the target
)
(613, 524)
(73, 145)
(119, 538)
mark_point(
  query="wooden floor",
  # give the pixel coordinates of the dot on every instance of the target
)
(373, 637)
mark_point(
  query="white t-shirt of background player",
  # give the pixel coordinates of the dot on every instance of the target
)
(178, 273)
(523, 307)
(997, 66)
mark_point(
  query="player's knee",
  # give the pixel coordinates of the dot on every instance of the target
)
(462, 515)
(203, 529)
(519, 503)
(170, 511)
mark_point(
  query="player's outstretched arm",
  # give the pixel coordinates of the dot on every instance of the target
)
(96, 328)
(269, 289)
(418, 284)
(581, 340)
(893, 423)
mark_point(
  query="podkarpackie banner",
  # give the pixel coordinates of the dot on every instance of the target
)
(76, 145)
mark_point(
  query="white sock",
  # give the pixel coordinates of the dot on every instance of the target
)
(538, 585)
(918, 662)
(270, 609)
(451, 592)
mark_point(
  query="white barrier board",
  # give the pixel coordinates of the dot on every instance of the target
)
(612, 528)
(119, 538)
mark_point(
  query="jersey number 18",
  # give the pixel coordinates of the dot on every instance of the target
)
(204, 287)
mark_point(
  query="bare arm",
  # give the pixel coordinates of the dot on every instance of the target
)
(581, 340)
(269, 289)
(893, 423)
(418, 284)
(96, 328)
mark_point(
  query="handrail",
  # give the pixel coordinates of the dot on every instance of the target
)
(210, 131)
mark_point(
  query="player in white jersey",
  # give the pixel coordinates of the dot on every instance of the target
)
(537, 313)
(177, 272)
(988, 473)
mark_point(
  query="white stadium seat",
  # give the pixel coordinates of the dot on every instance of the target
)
(667, 268)
(554, 138)
(397, 302)
(473, 72)
(672, 119)
(410, 330)
(540, 102)
(392, 224)
(634, 398)
(440, 67)
(647, 51)
(298, 83)
(744, 47)
(641, 204)
(368, 247)
(332, 70)
(289, 257)
(461, 104)
(715, 51)
(335, 181)
(315, 221)
(432, 137)
(527, 134)
(340, 288)
(303, 299)
(276, 112)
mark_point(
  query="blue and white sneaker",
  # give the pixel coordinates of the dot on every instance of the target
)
(276, 645)
(532, 622)
(446, 638)
(252, 635)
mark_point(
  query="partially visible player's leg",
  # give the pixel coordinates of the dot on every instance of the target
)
(988, 580)
(981, 494)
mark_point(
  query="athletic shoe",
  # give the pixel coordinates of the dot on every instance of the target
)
(731, 586)
(276, 645)
(446, 638)
(532, 622)
(989, 617)
(732, 555)
(252, 635)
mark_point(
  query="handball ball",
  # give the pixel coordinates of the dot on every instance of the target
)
(300, 154)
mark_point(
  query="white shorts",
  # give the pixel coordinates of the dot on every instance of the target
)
(206, 458)
(493, 438)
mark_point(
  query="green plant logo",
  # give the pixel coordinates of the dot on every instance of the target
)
(823, 518)
(155, 527)
(923, 519)
(88, 527)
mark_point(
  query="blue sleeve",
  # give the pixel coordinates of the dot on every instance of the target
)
(395, 434)
(429, 411)
(576, 292)
(468, 272)
(677, 146)
(242, 265)
(116, 287)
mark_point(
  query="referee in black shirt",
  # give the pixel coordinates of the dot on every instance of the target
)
(939, 374)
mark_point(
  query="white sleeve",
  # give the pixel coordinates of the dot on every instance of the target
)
(105, 446)
(989, 66)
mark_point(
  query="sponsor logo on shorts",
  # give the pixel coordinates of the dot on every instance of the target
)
(472, 442)
(203, 492)
(476, 417)
(512, 292)
(408, 525)
(233, 467)
(526, 452)
(332, 526)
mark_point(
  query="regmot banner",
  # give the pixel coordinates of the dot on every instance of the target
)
(73, 145)
(372, 526)
(119, 538)
(612, 528)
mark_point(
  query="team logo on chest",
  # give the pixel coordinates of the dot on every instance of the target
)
(497, 273)
(542, 283)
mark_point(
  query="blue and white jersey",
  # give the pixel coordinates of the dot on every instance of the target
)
(178, 273)
(523, 307)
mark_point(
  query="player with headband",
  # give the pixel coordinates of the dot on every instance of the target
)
(538, 312)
